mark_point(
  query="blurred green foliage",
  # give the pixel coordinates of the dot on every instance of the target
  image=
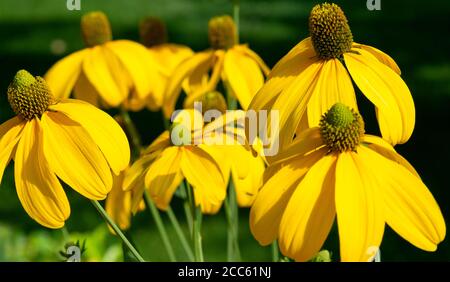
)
(36, 33)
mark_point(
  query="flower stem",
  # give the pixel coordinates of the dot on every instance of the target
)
(66, 234)
(160, 225)
(236, 11)
(196, 225)
(180, 234)
(275, 252)
(232, 213)
(132, 131)
(116, 229)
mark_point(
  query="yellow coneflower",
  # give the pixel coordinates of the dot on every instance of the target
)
(246, 170)
(50, 139)
(336, 169)
(164, 165)
(318, 72)
(106, 71)
(241, 69)
(167, 56)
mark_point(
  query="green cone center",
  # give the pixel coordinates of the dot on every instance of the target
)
(222, 32)
(330, 33)
(341, 128)
(95, 29)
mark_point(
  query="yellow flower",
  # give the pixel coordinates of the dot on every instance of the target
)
(336, 169)
(241, 69)
(167, 56)
(50, 139)
(163, 166)
(246, 170)
(318, 72)
(106, 71)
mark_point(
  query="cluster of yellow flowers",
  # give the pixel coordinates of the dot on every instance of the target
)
(327, 166)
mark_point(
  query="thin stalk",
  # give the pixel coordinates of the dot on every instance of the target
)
(236, 11)
(66, 235)
(275, 252)
(180, 234)
(160, 225)
(232, 213)
(116, 229)
(196, 225)
(132, 131)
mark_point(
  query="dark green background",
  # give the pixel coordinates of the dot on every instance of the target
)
(414, 33)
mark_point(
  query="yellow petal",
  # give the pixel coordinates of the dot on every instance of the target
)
(136, 171)
(138, 64)
(283, 74)
(204, 174)
(221, 155)
(161, 142)
(63, 75)
(381, 56)
(118, 204)
(38, 189)
(10, 133)
(359, 207)
(102, 128)
(85, 91)
(385, 149)
(334, 85)
(244, 48)
(243, 75)
(103, 70)
(169, 56)
(307, 141)
(83, 166)
(247, 173)
(310, 213)
(387, 91)
(409, 208)
(268, 208)
(164, 176)
(293, 100)
(184, 70)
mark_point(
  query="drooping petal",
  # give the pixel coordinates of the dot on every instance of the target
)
(102, 128)
(359, 207)
(387, 91)
(74, 157)
(140, 65)
(385, 149)
(39, 191)
(283, 74)
(409, 207)
(164, 176)
(247, 174)
(309, 140)
(243, 75)
(310, 213)
(293, 101)
(205, 176)
(161, 142)
(268, 208)
(118, 204)
(137, 170)
(184, 70)
(249, 52)
(10, 133)
(381, 56)
(334, 85)
(103, 70)
(63, 75)
(84, 90)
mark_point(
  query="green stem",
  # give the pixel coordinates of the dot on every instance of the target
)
(180, 234)
(196, 225)
(236, 11)
(116, 229)
(132, 131)
(65, 233)
(232, 213)
(275, 252)
(159, 224)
